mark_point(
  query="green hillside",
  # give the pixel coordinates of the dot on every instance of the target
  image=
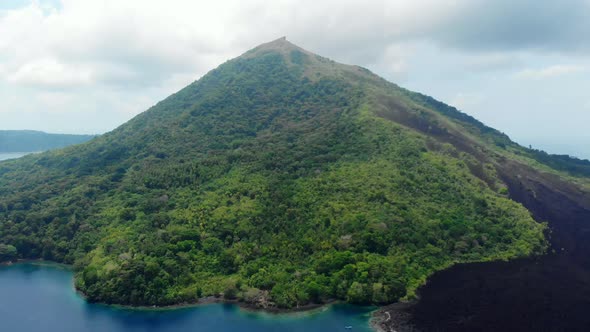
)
(279, 178)
(34, 141)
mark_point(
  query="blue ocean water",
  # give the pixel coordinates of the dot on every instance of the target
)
(41, 298)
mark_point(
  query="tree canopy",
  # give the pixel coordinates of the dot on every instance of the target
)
(280, 178)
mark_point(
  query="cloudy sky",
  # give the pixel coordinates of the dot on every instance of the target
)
(87, 66)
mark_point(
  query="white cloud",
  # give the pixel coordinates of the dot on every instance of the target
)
(50, 73)
(143, 50)
(148, 40)
(467, 101)
(551, 71)
(143, 42)
(55, 101)
(493, 61)
(396, 57)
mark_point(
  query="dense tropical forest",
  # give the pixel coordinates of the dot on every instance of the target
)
(35, 141)
(281, 178)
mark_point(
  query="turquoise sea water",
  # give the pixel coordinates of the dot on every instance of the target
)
(41, 298)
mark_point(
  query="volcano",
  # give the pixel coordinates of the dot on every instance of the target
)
(283, 178)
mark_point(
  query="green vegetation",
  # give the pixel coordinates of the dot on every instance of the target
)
(280, 178)
(571, 165)
(8, 253)
(34, 141)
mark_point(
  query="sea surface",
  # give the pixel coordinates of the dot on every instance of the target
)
(41, 298)
(12, 155)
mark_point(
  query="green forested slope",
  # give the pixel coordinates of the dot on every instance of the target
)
(280, 178)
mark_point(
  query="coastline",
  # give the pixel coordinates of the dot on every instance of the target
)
(40, 262)
(208, 300)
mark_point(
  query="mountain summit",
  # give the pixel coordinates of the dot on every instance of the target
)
(279, 178)
(280, 45)
(291, 52)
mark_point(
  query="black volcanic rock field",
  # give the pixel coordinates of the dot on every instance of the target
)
(547, 293)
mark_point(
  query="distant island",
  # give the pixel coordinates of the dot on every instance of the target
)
(32, 141)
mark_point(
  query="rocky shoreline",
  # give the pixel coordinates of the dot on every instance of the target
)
(394, 318)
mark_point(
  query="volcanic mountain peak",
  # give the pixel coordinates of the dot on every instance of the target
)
(314, 66)
(281, 45)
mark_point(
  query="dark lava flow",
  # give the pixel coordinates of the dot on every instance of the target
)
(549, 293)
